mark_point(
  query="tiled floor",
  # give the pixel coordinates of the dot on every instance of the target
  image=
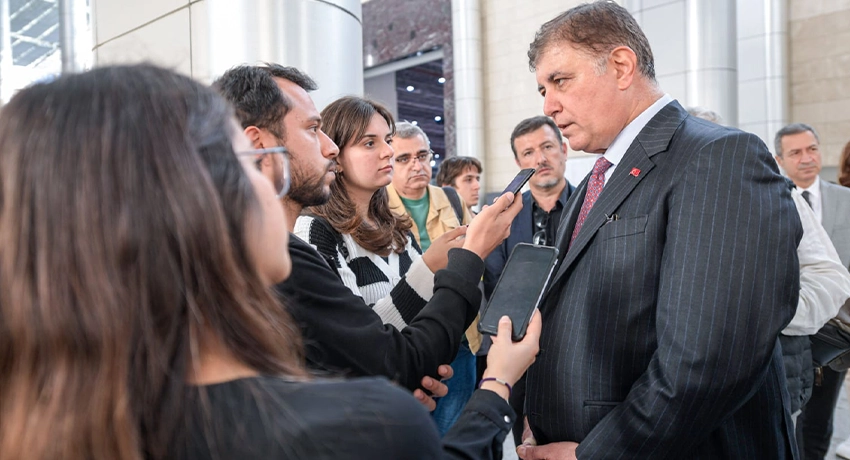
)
(842, 428)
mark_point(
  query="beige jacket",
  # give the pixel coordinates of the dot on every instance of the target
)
(441, 218)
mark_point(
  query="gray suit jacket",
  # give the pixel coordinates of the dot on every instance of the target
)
(836, 218)
(660, 327)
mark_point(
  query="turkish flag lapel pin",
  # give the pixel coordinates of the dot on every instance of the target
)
(635, 172)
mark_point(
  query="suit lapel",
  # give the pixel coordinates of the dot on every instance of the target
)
(829, 207)
(654, 138)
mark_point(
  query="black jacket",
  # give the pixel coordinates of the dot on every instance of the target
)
(270, 417)
(799, 370)
(343, 336)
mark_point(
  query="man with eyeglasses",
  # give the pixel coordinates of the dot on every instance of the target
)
(411, 194)
(536, 143)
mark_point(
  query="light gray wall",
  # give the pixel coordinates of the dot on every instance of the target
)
(382, 89)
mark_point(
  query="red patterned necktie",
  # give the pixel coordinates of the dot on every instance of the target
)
(594, 188)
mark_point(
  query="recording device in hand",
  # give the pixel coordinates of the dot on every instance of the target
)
(519, 289)
(519, 181)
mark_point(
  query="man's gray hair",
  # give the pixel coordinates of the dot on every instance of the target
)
(597, 29)
(407, 130)
(705, 114)
(789, 130)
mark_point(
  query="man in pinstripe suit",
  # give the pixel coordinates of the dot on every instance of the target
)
(678, 266)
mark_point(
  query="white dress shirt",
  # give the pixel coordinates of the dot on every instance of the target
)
(824, 281)
(816, 197)
(617, 149)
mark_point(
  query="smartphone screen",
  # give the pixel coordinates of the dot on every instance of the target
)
(519, 289)
(519, 181)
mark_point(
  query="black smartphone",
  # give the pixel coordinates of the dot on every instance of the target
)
(519, 181)
(519, 289)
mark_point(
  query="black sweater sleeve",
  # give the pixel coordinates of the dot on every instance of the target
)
(343, 335)
(481, 429)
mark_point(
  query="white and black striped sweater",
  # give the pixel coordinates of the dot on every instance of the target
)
(396, 287)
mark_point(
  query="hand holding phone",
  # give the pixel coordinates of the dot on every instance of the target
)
(519, 181)
(519, 289)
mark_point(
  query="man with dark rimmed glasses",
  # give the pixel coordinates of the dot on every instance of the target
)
(536, 143)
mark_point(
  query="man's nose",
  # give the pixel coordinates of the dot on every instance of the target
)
(808, 156)
(551, 106)
(541, 159)
(329, 148)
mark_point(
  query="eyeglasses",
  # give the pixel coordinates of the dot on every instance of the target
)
(281, 167)
(541, 224)
(422, 157)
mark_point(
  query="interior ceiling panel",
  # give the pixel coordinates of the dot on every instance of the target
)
(424, 102)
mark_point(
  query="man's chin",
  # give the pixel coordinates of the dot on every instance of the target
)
(310, 196)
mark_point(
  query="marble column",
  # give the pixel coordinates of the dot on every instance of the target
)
(323, 38)
(695, 47)
(469, 104)
(763, 76)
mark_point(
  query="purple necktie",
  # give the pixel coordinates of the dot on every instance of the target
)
(594, 188)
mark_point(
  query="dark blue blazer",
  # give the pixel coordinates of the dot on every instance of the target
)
(660, 325)
(521, 232)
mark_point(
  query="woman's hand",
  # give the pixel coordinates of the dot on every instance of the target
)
(508, 360)
(492, 225)
(437, 255)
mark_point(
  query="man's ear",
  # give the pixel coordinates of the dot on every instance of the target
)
(624, 62)
(255, 136)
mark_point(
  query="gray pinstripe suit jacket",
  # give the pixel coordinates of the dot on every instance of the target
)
(659, 328)
(836, 218)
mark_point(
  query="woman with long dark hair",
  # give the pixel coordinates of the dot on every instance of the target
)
(136, 251)
(371, 247)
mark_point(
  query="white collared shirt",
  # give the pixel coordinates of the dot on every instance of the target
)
(815, 198)
(617, 149)
(824, 281)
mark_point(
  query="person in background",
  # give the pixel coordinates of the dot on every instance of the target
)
(430, 210)
(156, 293)
(798, 152)
(463, 174)
(462, 177)
(536, 143)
